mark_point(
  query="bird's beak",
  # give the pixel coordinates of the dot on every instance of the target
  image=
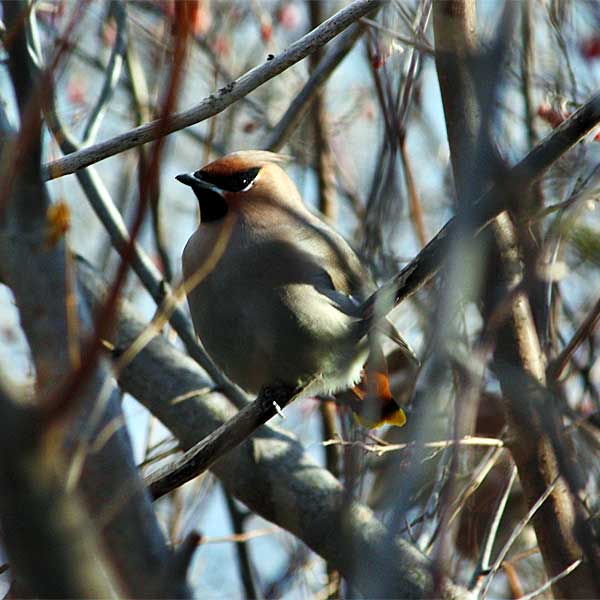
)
(197, 183)
(210, 198)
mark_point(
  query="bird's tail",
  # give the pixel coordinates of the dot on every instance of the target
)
(371, 399)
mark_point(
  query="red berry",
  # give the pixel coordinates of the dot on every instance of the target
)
(590, 48)
(266, 31)
(289, 16)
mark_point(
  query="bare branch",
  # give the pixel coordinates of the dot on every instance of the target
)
(113, 72)
(297, 109)
(270, 472)
(552, 581)
(483, 562)
(218, 102)
(557, 366)
(511, 540)
(51, 547)
(238, 518)
(428, 262)
(214, 446)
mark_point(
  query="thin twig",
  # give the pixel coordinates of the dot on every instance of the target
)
(217, 102)
(487, 464)
(300, 104)
(241, 537)
(483, 563)
(322, 152)
(225, 75)
(141, 102)
(442, 444)
(516, 532)
(207, 451)
(112, 75)
(552, 581)
(243, 555)
(414, 203)
(557, 366)
(424, 47)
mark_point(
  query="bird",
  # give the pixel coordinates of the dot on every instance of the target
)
(277, 296)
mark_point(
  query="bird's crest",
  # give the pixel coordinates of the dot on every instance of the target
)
(242, 161)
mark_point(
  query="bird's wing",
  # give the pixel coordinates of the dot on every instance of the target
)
(343, 273)
(386, 327)
(348, 283)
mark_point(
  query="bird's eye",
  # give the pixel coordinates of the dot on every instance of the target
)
(238, 182)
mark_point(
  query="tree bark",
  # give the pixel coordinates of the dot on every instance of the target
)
(518, 357)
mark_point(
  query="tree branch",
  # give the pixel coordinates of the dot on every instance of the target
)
(557, 366)
(40, 273)
(302, 101)
(112, 74)
(430, 259)
(225, 438)
(270, 472)
(45, 532)
(533, 422)
(218, 102)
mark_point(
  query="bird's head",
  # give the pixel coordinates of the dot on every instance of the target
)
(237, 180)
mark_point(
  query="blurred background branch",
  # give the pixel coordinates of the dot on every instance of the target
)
(418, 117)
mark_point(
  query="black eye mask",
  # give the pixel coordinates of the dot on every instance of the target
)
(236, 182)
(212, 204)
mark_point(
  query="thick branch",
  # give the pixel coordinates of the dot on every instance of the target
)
(41, 275)
(532, 421)
(455, 42)
(45, 532)
(270, 472)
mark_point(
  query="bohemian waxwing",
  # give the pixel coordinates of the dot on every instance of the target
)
(276, 294)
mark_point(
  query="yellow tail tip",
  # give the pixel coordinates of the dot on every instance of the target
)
(397, 419)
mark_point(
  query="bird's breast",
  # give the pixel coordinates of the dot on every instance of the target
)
(262, 313)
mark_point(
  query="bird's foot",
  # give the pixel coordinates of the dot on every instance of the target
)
(277, 396)
(278, 409)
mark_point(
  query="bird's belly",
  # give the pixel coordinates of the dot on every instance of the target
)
(260, 340)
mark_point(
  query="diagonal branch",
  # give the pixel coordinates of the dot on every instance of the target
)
(113, 73)
(270, 472)
(585, 330)
(428, 262)
(218, 102)
(228, 436)
(302, 101)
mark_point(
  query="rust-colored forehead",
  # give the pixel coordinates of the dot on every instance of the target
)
(238, 162)
(228, 165)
